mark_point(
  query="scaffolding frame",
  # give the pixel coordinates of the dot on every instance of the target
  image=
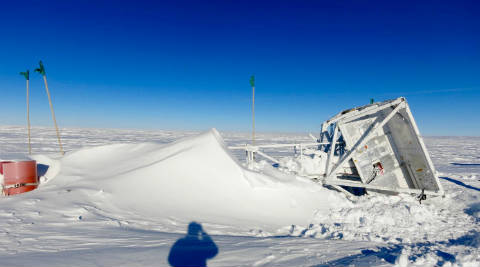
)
(344, 150)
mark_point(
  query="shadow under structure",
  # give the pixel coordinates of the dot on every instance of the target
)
(194, 249)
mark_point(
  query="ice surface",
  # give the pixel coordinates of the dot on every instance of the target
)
(122, 197)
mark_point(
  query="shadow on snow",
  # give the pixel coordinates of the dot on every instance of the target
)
(389, 254)
(194, 249)
(460, 183)
(465, 164)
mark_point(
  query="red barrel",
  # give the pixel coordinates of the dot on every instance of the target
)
(19, 177)
(1, 166)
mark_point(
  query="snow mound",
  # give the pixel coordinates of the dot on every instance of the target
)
(194, 179)
(392, 219)
(310, 164)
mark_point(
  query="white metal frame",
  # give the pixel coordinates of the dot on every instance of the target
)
(346, 116)
(330, 139)
(251, 149)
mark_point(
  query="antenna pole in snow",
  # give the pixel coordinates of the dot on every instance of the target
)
(41, 70)
(26, 74)
(252, 83)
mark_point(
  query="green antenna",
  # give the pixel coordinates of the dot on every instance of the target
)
(252, 80)
(372, 100)
(26, 74)
(41, 68)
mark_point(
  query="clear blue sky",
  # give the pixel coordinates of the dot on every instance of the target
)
(186, 64)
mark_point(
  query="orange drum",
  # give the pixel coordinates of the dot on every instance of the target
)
(1, 166)
(19, 177)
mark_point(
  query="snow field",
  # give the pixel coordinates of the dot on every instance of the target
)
(133, 199)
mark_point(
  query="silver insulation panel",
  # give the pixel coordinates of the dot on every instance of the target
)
(393, 156)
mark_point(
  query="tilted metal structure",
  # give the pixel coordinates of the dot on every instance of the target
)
(376, 147)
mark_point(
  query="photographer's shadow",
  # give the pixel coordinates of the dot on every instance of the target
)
(194, 249)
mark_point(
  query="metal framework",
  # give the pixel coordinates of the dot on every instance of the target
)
(376, 147)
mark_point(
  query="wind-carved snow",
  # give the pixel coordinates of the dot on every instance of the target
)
(122, 197)
(195, 179)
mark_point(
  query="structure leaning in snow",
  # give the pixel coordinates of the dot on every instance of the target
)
(376, 147)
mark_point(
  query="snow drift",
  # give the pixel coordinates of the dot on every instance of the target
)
(110, 206)
(192, 179)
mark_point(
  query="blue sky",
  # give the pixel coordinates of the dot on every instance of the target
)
(186, 64)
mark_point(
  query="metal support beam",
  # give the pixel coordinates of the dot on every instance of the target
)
(383, 188)
(363, 140)
(267, 156)
(332, 149)
(255, 148)
(364, 112)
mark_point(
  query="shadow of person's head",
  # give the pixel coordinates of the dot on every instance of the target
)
(194, 249)
(194, 229)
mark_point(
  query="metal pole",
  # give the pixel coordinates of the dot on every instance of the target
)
(28, 120)
(331, 153)
(253, 115)
(53, 115)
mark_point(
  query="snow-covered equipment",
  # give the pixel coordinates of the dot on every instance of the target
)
(376, 147)
(19, 177)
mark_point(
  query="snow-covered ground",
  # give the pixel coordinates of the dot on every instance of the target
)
(123, 197)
